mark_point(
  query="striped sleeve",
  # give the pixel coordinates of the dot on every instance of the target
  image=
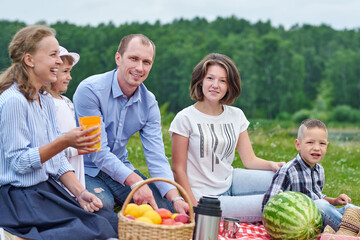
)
(22, 158)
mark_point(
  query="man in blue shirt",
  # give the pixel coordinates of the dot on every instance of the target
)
(125, 105)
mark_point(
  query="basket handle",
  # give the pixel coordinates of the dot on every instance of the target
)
(150, 180)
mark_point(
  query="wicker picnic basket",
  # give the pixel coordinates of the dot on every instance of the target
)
(134, 230)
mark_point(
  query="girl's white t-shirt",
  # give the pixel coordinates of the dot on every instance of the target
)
(65, 118)
(211, 150)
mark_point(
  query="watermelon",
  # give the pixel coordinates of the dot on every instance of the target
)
(292, 215)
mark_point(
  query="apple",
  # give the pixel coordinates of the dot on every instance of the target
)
(181, 218)
(168, 221)
(178, 223)
(130, 217)
(164, 213)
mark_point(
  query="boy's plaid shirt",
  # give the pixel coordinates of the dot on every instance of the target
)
(297, 176)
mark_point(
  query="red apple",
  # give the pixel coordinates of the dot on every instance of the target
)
(178, 223)
(182, 218)
(168, 221)
(130, 217)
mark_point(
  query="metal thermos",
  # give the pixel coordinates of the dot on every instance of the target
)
(207, 219)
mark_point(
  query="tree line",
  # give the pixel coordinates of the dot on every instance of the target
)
(305, 70)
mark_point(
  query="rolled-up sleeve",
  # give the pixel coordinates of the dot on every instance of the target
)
(153, 145)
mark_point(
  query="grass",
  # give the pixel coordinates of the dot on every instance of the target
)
(273, 140)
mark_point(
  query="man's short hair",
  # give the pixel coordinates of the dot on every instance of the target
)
(125, 42)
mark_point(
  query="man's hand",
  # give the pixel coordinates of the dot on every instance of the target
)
(181, 206)
(88, 201)
(144, 195)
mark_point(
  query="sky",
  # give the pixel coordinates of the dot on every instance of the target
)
(339, 14)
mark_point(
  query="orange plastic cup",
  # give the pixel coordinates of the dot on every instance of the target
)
(88, 122)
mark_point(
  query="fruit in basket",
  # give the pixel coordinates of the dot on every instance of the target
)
(168, 221)
(183, 218)
(143, 208)
(130, 217)
(144, 219)
(178, 223)
(153, 216)
(133, 210)
(292, 215)
(145, 213)
(164, 213)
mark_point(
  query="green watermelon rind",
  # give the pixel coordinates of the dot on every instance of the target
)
(283, 219)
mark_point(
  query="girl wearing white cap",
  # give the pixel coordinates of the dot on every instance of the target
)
(65, 114)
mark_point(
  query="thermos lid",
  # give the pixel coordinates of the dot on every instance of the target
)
(208, 205)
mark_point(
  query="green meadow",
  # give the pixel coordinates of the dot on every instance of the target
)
(275, 140)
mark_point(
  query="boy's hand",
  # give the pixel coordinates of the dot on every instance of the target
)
(342, 199)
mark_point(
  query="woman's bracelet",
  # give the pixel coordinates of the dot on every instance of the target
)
(77, 197)
(135, 184)
(175, 199)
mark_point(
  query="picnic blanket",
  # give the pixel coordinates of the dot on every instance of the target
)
(257, 231)
(248, 231)
(337, 237)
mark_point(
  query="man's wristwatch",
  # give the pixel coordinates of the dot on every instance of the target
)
(175, 199)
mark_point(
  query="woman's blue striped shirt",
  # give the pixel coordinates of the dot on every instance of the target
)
(25, 126)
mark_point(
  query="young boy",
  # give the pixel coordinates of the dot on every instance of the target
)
(304, 173)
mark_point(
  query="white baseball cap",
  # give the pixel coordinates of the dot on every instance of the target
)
(64, 52)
